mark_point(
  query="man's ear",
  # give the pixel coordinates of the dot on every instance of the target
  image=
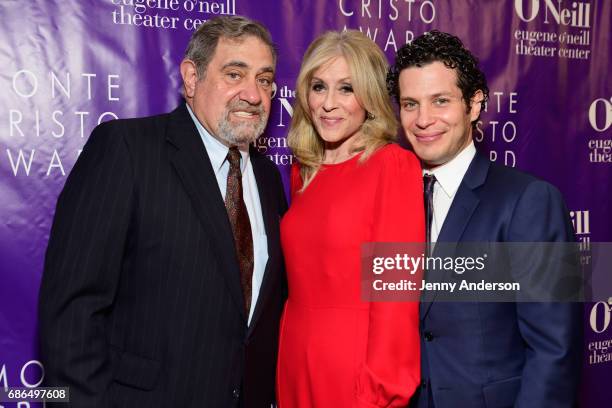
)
(190, 77)
(475, 105)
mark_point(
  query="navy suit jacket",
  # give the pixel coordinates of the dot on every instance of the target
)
(495, 355)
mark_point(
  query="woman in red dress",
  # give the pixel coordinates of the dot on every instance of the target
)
(352, 186)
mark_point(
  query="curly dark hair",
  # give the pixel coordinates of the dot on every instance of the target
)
(448, 49)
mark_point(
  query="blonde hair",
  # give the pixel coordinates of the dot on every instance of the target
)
(368, 68)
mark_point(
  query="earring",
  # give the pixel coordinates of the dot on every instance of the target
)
(370, 116)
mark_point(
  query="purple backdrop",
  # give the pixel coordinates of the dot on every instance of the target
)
(66, 66)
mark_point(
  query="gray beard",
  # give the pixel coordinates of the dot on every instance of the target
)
(241, 133)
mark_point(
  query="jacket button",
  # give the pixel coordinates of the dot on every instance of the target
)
(428, 336)
(236, 393)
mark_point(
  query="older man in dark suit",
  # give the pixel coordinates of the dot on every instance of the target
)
(163, 281)
(482, 354)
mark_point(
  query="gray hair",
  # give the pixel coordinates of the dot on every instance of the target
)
(203, 42)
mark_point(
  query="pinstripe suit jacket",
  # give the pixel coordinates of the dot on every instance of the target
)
(140, 303)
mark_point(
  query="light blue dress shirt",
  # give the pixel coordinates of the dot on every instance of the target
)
(217, 152)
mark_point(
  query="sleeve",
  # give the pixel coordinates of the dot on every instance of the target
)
(392, 368)
(81, 269)
(552, 331)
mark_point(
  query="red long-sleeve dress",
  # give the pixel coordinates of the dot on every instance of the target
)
(335, 349)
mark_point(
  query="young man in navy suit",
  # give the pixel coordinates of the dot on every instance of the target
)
(164, 282)
(481, 354)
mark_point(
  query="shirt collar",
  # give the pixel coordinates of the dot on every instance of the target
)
(449, 175)
(217, 151)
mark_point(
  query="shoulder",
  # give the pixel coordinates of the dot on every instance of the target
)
(396, 171)
(511, 175)
(538, 210)
(393, 150)
(134, 127)
(138, 136)
(511, 181)
(393, 156)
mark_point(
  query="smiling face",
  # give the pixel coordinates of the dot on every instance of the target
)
(232, 101)
(334, 109)
(434, 114)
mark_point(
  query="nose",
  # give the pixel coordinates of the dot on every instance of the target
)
(251, 92)
(329, 103)
(424, 117)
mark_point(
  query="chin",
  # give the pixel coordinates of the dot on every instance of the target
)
(328, 139)
(333, 137)
(428, 159)
(240, 134)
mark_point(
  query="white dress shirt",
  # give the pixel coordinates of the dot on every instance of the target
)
(217, 152)
(448, 179)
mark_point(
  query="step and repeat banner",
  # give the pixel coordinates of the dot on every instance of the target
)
(69, 65)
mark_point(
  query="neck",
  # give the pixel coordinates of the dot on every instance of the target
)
(338, 157)
(342, 151)
(433, 165)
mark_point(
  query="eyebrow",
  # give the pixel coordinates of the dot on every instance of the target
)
(266, 70)
(235, 64)
(244, 65)
(436, 95)
(347, 79)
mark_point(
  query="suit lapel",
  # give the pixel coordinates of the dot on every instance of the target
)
(189, 157)
(465, 202)
(271, 227)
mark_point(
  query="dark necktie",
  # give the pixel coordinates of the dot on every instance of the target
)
(241, 226)
(428, 188)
